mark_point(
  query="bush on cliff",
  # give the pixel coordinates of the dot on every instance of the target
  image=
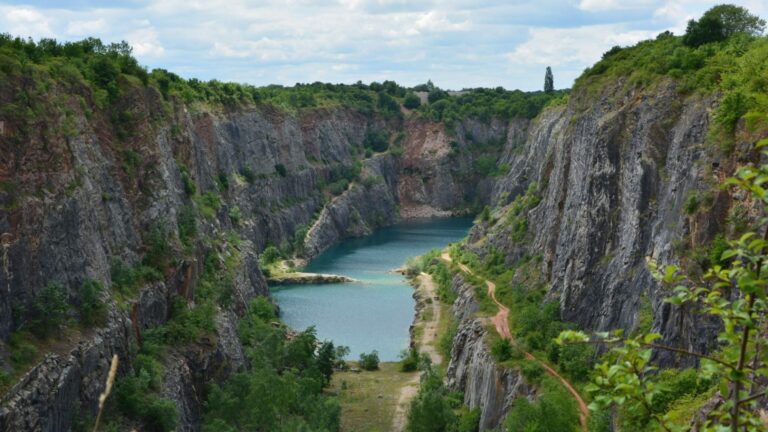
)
(49, 311)
(92, 308)
(284, 388)
(369, 361)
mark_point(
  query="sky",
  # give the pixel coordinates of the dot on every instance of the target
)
(457, 44)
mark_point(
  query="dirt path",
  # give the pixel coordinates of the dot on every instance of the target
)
(426, 345)
(501, 322)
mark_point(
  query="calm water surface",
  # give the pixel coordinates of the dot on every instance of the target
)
(375, 313)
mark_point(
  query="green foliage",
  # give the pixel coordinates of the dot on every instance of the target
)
(720, 23)
(732, 291)
(411, 101)
(159, 252)
(338, 187)
(138, 396)
(208, 204)
(549, 81)
(691, 205)
(371, 181)
(270, 255)
(190, 188)
(469, 419)
(248, 174)
(23, 351)
(718, 247)
(298, 238)
(486, 166)
(222, 181)
(49, 310)
(432, 408)
(92, 308)
(369, 361)
(235, 215)
(486, 104)
(502, 350)
(517, 214)
(283, 391)
(281, 170)
(377, 140)
(127, 280)
(441, 275)
(554, 410)
(410, 360)
(445, 343)
(187, 225)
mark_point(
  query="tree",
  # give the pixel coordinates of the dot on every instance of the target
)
(549, 81)
(721, 22)
(732, 291)
(369, 362)
(50, 310)
(411, 101)
(736, 19)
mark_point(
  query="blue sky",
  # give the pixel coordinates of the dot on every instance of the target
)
(457, 44)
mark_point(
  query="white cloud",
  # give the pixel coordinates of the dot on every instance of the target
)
(582, 45)
(23, 21)
(457, 43)
(606, 5)
(145, 42)
(86, 27)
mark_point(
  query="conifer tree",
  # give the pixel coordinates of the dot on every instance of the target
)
(549, 81)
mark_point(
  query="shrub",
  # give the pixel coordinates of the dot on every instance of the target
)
(49, 310)
(186, 180)
(158, 244)
(532, 371)
(282, 171)
(91, 305)
(369, 362)
(446, 339)
(409, 360)
(469, 419)
(248, 175)
(371, 181)
(431, 410)
(338, 187)
(223, 181)
(187, 225)
(553, 411)
(411, 101)
(235, 215)
(22, 350)
(377, 140)
(270, 255)
(502, 350)
(691, 204)
(136, 397)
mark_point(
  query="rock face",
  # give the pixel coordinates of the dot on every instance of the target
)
(79, 189)
(473, 371)
(612, 173)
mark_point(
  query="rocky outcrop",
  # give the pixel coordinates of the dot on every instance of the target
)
(82, 184)
(613, 172)
(473, 371)
(363, 207)
(307, 278)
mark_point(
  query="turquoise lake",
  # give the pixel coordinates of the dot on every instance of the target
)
(376, 312)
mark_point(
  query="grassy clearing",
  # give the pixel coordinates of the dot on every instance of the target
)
(368, 399)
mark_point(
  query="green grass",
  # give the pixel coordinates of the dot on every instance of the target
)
(368, 399)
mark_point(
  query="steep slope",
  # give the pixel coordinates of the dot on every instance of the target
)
(627, 169)
(163, 201)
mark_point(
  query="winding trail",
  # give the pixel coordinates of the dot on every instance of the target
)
(501, 322)
(426, 346)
